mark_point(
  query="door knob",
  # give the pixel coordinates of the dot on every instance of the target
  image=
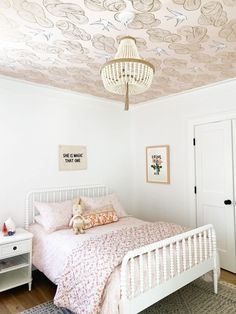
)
(227, 202)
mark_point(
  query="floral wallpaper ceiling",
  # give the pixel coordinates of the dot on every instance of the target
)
(63, 43)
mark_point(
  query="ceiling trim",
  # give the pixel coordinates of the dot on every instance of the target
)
(58, 89)
(154, 101)
(107, 101)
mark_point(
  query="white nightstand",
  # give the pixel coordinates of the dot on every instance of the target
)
(16, 260)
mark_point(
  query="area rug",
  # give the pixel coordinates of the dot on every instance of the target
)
(195, 298)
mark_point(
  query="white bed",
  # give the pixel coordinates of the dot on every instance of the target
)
(146, 274)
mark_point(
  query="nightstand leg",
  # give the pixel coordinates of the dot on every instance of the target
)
(30, 285)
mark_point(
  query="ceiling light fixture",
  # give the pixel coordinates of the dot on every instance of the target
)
(127, 74)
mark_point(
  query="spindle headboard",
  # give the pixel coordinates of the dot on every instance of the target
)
(59, 195)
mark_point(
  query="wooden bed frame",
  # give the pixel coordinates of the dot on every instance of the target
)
(183, 257)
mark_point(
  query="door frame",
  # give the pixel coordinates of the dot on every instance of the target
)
(192, 123)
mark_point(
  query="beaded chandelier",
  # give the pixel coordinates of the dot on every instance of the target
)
(127, 74)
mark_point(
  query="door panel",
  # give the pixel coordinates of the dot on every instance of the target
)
(214, 179)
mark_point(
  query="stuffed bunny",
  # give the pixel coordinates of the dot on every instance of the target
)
(77, 221)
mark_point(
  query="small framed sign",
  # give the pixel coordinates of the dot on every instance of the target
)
(157, 164)
(72, 157)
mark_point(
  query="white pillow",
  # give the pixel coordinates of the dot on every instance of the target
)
(92, 203)
(38, 219)
(54, 216)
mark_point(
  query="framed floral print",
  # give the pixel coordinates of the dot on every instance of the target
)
(157, 164)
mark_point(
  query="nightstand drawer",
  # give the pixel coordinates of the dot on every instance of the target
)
(16, 248)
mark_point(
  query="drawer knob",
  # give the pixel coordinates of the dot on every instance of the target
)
(14, 248)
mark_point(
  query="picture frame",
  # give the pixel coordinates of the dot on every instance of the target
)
(158, 164)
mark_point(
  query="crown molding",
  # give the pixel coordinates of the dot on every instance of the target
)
(106, 101)
(189, 91)
(60, 90)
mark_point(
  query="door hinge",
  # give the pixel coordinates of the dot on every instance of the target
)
(195, 190)
(194, 141)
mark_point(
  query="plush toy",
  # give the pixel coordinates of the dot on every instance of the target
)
(11, 227)
(77, 221)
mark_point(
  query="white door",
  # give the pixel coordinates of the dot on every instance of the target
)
(215, 186)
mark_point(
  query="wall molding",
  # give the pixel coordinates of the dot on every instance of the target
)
(54, 89)
(117, 102)
(189, 91)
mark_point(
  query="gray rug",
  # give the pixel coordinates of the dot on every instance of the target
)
(195, 298)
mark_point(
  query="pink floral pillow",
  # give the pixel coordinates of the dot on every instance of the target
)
(92, 203)
(100, 216)
(54, 216)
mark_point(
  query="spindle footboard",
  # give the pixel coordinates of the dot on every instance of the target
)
(152, 272)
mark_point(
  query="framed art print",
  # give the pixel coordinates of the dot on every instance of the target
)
(157, 164)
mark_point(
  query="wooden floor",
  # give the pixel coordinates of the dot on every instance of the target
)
(227, 276)
(19, 299)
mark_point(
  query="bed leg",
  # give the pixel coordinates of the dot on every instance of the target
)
(215, 280)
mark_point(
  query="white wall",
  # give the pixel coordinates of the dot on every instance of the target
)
(34, 120)
(166, 122)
